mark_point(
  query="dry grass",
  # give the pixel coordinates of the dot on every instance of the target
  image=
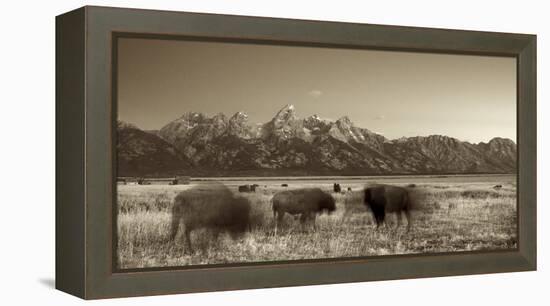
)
(449, 217)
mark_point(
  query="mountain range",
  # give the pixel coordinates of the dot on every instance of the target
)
(199, 145)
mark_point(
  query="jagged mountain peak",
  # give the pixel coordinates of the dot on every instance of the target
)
(239, 126)
(219, 120)
(432, 142)
(501, 141)
(400, 139)
(437, 137)
(192, 116)
(285, 125)
(239, 116)
(344, 119)
(220, 115)
(316, 124)
(288, 112)
(344, 122)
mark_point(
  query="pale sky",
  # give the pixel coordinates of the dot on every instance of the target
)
(472, 98)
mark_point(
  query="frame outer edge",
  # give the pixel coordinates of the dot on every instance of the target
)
(70, 109)
(527, 119)
(101, 22)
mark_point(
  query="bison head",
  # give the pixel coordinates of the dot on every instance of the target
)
(367, 198)
(327, 204)
(239, 216)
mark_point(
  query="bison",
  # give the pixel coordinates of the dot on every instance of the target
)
(305, 202)
(382, 199)
(336, 187)
(247, 188)
(212, 207)
(142, 181)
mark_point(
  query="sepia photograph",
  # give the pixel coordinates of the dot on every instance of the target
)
(238, 152)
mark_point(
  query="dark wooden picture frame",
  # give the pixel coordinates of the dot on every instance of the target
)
(85, 125)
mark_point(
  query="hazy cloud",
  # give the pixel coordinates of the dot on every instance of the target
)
(315, 93)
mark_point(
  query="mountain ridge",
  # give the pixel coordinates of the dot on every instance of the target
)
(222, 145)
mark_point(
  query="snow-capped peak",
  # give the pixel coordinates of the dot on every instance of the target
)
(286, 113)
(345, 120)
(240, 116)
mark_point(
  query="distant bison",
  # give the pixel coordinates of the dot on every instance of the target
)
(382, 199)
(247, 188)
(336, 188)
(497, 186)
(142, 181)
(213, 207)
(349, 188)
(284, 185)
(305, 202)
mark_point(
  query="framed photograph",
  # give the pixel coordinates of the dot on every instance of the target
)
(200, 152)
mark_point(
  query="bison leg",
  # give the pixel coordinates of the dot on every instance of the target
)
(384, 224)
(207, 244)
(398, 214)
(383, 219)
(176, 219)
(346, 215)
(187, 240)
(175, 226)
(307, 219)
(380, 219)
(278, 219)
(303, 220)
(408, 216)
(377, 219)
(215, 235)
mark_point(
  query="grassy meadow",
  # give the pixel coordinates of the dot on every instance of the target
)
(451, 214)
